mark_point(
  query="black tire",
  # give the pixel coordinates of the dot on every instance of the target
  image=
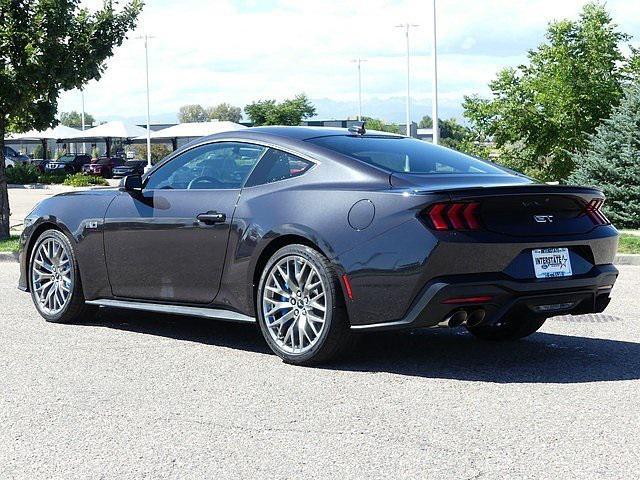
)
(512, 328)
(75, 310)
(335, 336)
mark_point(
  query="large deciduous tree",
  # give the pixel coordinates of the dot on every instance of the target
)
(288, 112)
(192, 113)
(541, 113)
(74, 119)
(611, 161)
(48, 46)
(225, 112)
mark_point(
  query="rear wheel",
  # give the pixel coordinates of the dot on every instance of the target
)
(513, 327)
(55, 280)
(300, 307)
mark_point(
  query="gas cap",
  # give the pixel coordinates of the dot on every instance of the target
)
(361, 214)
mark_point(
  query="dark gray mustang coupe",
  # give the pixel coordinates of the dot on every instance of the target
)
(317, 233)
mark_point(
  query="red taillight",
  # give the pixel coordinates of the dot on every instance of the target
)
(454, 216)
(437, 218)
(594, 211)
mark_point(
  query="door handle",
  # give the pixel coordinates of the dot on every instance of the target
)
(211, 218)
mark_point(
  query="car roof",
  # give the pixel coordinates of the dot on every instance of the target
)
(298, 133)
(294, 133)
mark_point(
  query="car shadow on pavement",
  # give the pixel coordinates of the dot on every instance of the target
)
(241, 336)
(435, 353)
(456, 354)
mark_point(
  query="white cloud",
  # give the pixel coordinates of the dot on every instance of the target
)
(238, 51)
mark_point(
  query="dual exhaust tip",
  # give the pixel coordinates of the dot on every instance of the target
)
(457, 318)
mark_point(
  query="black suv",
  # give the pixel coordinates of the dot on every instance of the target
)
(69, 163)
(132, 167)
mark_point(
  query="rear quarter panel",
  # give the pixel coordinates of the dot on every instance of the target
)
(318, 210)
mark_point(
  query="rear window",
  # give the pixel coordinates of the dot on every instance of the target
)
(277, 165)
(407, 155)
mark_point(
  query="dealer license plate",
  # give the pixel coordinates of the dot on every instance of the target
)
(551, 262)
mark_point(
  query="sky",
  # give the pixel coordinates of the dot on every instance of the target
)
(239, 51)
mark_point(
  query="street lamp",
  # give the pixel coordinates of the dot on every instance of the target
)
(407, 27)
(434, 101)
(359, 61)
(84, 145)
(146, 62)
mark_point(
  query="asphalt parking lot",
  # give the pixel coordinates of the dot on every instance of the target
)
(132, 395)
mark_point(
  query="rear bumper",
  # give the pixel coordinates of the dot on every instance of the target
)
(582, 294)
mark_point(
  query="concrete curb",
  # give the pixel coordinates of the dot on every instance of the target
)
(627, 259)
(38, 186)
(8, 257)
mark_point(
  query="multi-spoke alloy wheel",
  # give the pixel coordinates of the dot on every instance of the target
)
(54, 280)
(301, 308)
(294, 304)
(52, 276)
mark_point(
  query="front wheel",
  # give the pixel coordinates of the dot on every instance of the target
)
(300, 307)
(514, 327)
(55, 280)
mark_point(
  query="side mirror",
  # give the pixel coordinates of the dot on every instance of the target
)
(131, 183)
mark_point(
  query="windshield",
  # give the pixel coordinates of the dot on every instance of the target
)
(406, 155)
(10, 152)
(66, 159)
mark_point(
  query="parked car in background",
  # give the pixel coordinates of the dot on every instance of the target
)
(131, 167)
(69, 163)
(8, 163)
(40, 164)
(102, 166)
(15, 157)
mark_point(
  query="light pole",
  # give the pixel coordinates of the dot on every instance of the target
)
(146, 63)
(407, 27)
(359, 61)
(434, 101)
(84, 145)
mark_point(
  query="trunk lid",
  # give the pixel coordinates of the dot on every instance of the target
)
(516, 206)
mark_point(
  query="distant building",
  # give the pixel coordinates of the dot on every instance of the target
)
(154, 127)
(425, 134)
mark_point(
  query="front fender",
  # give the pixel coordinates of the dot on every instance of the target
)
(80, 216)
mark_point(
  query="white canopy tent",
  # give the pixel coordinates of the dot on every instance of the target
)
(189, 131)
(55, 133)
(43, 136)
(108, 131)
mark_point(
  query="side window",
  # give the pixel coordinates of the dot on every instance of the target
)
(278, 165)
(223, 165)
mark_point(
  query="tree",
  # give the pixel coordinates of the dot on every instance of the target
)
(158, 151)
(426, 122)
(380, 125)
(74, 119)
(539, 114)
(224, 112)
(610, 161)
(458, 137)
(47, 46)
(288, 112)
(192, 113)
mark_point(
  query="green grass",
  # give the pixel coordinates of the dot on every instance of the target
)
(11, 245)
(629, 244)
